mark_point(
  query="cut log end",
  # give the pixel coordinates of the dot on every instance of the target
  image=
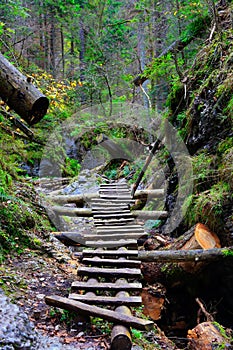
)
(121, 341)
(39, 109)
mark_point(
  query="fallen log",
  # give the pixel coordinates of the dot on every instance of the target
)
(18, 92)
(86, 197)
(66, 211)
(202, 238)
(195, 255)
(86, 212)
(208, 336)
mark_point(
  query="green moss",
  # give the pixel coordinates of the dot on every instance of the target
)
(207, 207)
(227, 252)
(223, 332)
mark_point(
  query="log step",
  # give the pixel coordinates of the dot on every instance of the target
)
(108, 253)
(108, 272)
(96, 311)
(115, 196)
(90, 286)
(96, 261)
(115, 228)
(105, 300)
(122, 214)
(113, 201)
(114, 185)
(112, 244)
(109, 209)
(114, 189)
(113, 236)
(101, 231)
(123, 221)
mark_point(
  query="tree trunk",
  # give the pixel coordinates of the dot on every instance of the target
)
(176, 46)
(62, 52)
(207, 336)
(52, 44)
(20, 94)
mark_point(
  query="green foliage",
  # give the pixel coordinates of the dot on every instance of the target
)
(103, 327)
(228, 252)
(64, 316)
(195, 28)
(72, 167)
(224, 334)
(207, 206)
(203, 169)
(136, 334)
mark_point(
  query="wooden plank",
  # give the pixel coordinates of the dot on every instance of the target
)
(96, 311)
(101, 252)
(114, 184)
(80, 285)
(96, 261)
(114, 189)
(108, 272)
(115, 196)
(113, 236)
(122, 214)
(112, 244)
(115, 201)
(119, 232)
(105, 300)
(123, 221)
(126, 228)
(108, 208)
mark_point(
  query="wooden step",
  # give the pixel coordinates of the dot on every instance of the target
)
(113, 236)
(105, 300)
(112, 243)
(101, 231)
(120, 215)
(113, 201)
(108, 253)
(106, 286)
(109, 209)
(96, 311)
(120, 221)
(115, 184)
(96, 261)
(117, 196)
(108, 272)
(126, 228)
(114, 189)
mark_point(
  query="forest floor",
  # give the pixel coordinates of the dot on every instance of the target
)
(28, 278)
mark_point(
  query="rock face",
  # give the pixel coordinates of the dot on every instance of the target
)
(208, 123)
(17, 332)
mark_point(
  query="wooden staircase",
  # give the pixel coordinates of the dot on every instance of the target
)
(107, 285)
